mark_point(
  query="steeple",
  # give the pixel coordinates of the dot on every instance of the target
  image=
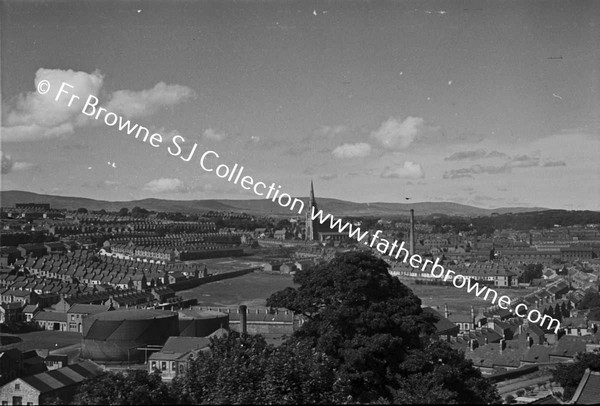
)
(312, 202)
(311, 226)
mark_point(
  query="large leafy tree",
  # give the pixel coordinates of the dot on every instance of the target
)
(440, 374)
(242, 369)
(136, 387)
(361, 317)
(373, 327)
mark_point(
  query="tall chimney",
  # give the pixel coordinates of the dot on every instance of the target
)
(412, 232)
(445, 310)
(243, 319)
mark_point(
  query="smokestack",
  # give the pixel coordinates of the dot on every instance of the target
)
(502, 345)
(243, 319)
(412, 232)
(445, 310)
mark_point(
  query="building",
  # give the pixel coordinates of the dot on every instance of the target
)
(312, 226)
(174, 357)
(588, 391)
(48, 386)
(78, 311)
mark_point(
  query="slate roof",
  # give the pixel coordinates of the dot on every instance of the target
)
(588, 391)
(63, 377)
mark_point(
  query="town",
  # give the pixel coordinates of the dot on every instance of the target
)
(115, 291)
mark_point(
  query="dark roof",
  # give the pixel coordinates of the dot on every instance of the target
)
(185, 344)
(87, 308)
(136, 314)
(443, 324)
(588, 391)
(62, 377)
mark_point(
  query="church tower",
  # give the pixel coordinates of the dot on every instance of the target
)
(311, 226)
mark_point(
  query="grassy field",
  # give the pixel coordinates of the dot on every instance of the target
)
(458, 300)
(48, 340)
(252, 290)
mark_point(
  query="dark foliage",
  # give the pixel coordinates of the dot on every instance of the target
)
(569, 375)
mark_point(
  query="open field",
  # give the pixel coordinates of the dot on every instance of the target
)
(458, 300)
(48, 340)
(252, 290)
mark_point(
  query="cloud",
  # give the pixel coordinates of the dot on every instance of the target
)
(554, 163)
(519, 161)
(396, 134)
(474, 170)
(33, 116)
(330, 131)
(409, 170)
(357, 150)
(165, 185)
(475, 154)
(132, 104)
(213, 135)
(328, 176)
(8, 165)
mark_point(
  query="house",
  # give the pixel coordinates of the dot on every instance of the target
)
(41, 388)
(11, 312)
(78, 312)
(588, 391)
(29, 311)
(444, 327)
(287, 267)
(56, 361)
(51, 321)
(10, 364)
(174, 357)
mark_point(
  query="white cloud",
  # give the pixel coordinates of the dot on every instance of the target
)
(213, 135)
(360, 149)
(32, 116)
(396, 134)
(8, 165)
(165, 185)
(133, 104)
(410, 170)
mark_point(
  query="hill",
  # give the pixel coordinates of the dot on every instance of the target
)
(258, 206)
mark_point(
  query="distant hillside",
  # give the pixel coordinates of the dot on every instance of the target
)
(258, 206)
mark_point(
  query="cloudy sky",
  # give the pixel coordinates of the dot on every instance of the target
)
(488, 103)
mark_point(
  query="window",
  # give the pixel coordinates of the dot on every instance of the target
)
(153, 364)
(173, 366)
(163, 366)
(17, 386)
(5, 403)
(29, 403)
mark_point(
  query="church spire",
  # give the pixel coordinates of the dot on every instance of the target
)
(311, 229)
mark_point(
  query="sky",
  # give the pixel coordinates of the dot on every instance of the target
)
(486, 103)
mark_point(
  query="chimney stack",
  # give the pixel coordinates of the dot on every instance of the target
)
(502, 345)
(445, 310)
(412, 232)
(243, 320)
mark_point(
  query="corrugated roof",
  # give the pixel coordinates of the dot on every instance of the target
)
(62, 377)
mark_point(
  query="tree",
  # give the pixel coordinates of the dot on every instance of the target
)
(139, 212)
(82, 210)
(569, 375)
(594, 314)
(124, 211)
(440, 374)
(134, 388)
(589, 300)
(242, 369)
(371, 325)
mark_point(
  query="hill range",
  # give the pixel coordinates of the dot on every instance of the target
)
(261, 207)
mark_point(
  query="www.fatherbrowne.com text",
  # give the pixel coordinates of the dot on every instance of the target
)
(233, 174)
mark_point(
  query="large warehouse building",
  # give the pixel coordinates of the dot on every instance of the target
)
(201, 323)
(116, 336)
